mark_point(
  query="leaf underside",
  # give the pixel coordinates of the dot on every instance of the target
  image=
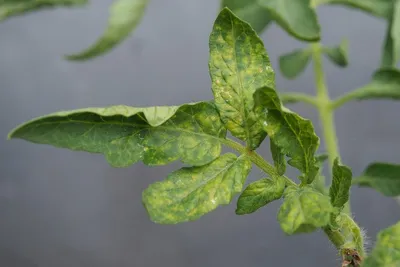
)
(380, 8)
(383, 177)
(125, 135)
(11, 8)
(298, 18)
(238, 65)
(189, 193)
(249, 11)
(124, 16)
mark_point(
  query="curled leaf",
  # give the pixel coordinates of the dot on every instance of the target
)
(338, 54)
(250, 11)
(125, 15)
(383, 177)
(298, 18)
(125, 135)
(294, 63)
(341, 183)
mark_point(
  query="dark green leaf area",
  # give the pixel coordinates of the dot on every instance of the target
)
(259, 194)
(125, 135)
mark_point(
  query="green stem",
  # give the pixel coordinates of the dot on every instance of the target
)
(324, 106)
(296, 97)
(258, 160)
(335, 237)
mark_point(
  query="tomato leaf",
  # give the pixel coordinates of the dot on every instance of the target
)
(125, 15)
(293, 134)
(11, 8)
(304, 210)
(383, 177)
(189, 193)
(238, 66)
(259, 194)
(386, 252)
(250, 11)
(338, 54)
(341, 183)
(298, 18)
(125, 135)
(294, 63)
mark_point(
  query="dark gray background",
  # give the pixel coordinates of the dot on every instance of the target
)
(62, 208)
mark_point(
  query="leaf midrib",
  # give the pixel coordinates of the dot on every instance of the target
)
(240, 82)
(130, 125)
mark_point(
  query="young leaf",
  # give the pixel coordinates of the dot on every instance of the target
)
(189, 193)
(391, 48)
(125, 135)
(386, 252)
(279, 158)
(125, 15)
(293, 134)
(385, 84)
(383, 177)
(238, 66)
(380, 8)
(294, 63)
(250, 11)
(10, 8)
(319, 182)
(298, 18)
(338, 54)
(304, 210)
(259, 194)
(341, 183)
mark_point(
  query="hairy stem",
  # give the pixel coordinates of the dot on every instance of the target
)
(258, 160)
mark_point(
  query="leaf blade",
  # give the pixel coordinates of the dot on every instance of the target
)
(10, 9)
(125, 15)
(235, 77)
(294, 63)
(341, 183)
(278, 157)
(189, 193)
(298, 18)
(293, 134)
(380, 8)
(259, 194)
(338, 54)
(304, 210)
(250, 11)
(191, 133)
(386, 252)
(383, 177)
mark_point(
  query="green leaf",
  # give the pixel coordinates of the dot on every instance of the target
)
(294, 63)
(380, 8)
(341, 183)
(391, 50)
(250, 11)
(10, 8)
(189, 193)
(319, 182)
(386, 252)
(238, 66)
(279, 158)
(157, 135)
(298, 18)
(293, 134)
(338, 54)
(259, 194)
(383, 177)
(125, 15)
(304, 210)
(385, 84)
